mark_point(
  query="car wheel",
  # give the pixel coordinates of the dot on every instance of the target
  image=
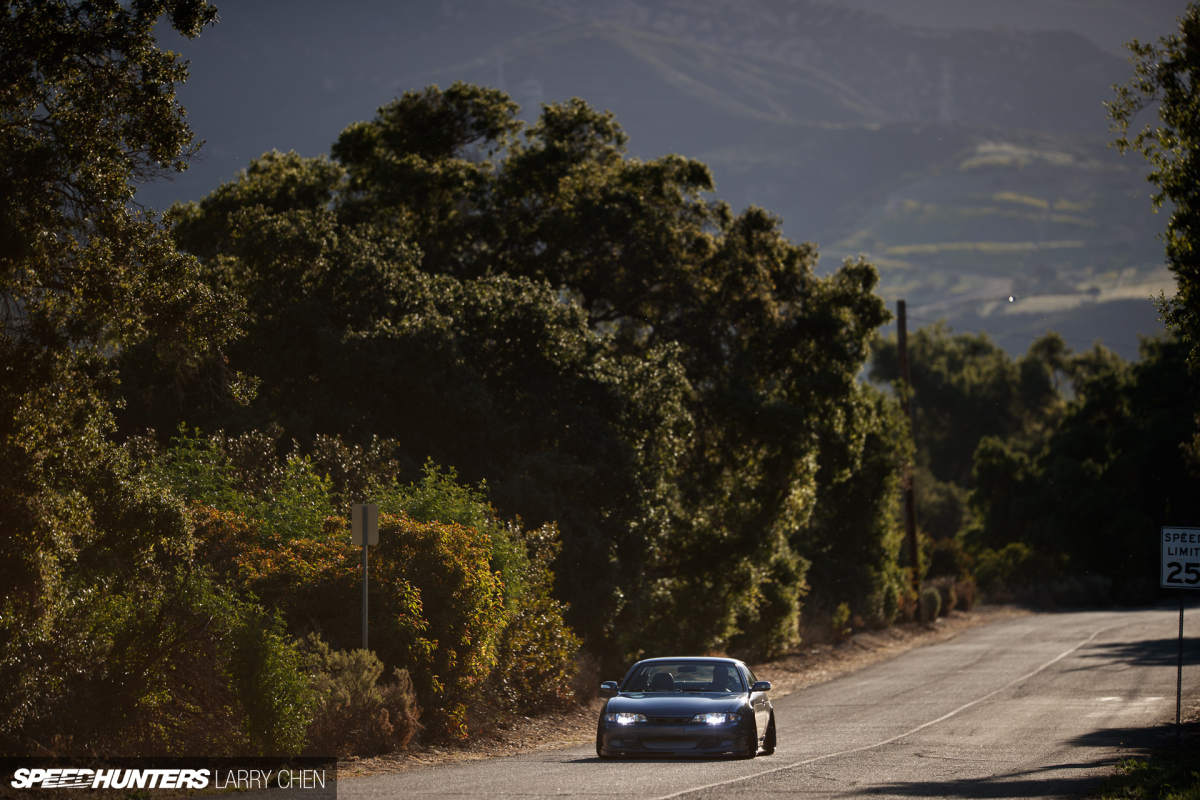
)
(600, 742)
(751, 742)
(768, 746)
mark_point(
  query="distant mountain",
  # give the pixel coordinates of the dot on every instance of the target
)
(1042, 81)
(971, 165)
(1107, 23)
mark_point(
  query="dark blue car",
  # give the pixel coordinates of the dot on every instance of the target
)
(686, 706)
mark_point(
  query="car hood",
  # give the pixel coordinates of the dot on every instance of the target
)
(674, 704)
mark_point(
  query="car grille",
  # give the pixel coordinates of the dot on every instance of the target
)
(670, 720)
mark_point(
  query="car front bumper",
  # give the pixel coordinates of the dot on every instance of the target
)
(691, 738)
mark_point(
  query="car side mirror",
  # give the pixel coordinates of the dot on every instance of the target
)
(608, 689)
(761, 686)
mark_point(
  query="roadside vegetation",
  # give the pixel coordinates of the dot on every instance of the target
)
(1042, 476)
(1168, 774)
(604, 417)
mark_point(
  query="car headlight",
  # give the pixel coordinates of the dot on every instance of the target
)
(715, 719)
(624, 718)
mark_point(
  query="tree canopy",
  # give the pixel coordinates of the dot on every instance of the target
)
(1087, 501)
(97, 602)
(607, 347)
(1167, 79)
(87, 109)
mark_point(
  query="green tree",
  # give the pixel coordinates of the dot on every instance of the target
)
(854, 538)
(94, 576)
(611, 350)
(87, 109)
(966, 388)
(767, 348)
(1110, 474)
(1167, 79)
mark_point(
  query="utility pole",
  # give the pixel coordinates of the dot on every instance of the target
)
(365, 547)
(910, 502)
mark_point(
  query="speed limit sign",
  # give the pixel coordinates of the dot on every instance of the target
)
(1180, 558)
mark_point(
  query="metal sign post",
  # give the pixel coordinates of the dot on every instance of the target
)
(364, 520)
(1179, 680)
(1180, 568)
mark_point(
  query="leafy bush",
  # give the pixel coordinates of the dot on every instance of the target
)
(947, 558)
(435, 606)
(891, 603)
(353, 714)
(1000, 572)
(768, 623)
(536, 655)
(290, 500)
(931, 603)
(1169, 773)
(840, 621)
(164, 664)
(947, 589)
(267, 675)
(966, 592)
(438, 497)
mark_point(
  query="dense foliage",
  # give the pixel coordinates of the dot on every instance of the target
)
(459, 601)
(965, 388)
(665, 391)
(1167, 79)
(608, 349)
(98, 608)
(853, 540)
(1105, 480)
(1169, 773)
(436, 606)
(1052, 467)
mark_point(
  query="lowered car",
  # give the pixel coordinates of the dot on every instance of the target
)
(686, 706)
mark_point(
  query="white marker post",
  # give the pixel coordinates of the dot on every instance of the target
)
(1181, 570)
(364, 520)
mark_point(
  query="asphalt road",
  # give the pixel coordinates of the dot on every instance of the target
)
(1040, 706)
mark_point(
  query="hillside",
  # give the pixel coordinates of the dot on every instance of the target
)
(970, 164)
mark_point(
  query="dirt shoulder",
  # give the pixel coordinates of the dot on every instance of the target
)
(807, 665)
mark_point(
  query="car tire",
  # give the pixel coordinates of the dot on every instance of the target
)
(751, 742)
(600, 742)
(768, 745)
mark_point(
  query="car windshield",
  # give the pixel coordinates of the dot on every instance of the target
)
(685, 676)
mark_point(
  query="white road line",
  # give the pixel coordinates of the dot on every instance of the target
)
(896, 738)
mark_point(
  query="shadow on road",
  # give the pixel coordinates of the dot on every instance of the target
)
(1129, 737)
(638, 758)
(1044, 782)
(1146, 653)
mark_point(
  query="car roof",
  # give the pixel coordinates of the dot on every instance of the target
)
(700, 659)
